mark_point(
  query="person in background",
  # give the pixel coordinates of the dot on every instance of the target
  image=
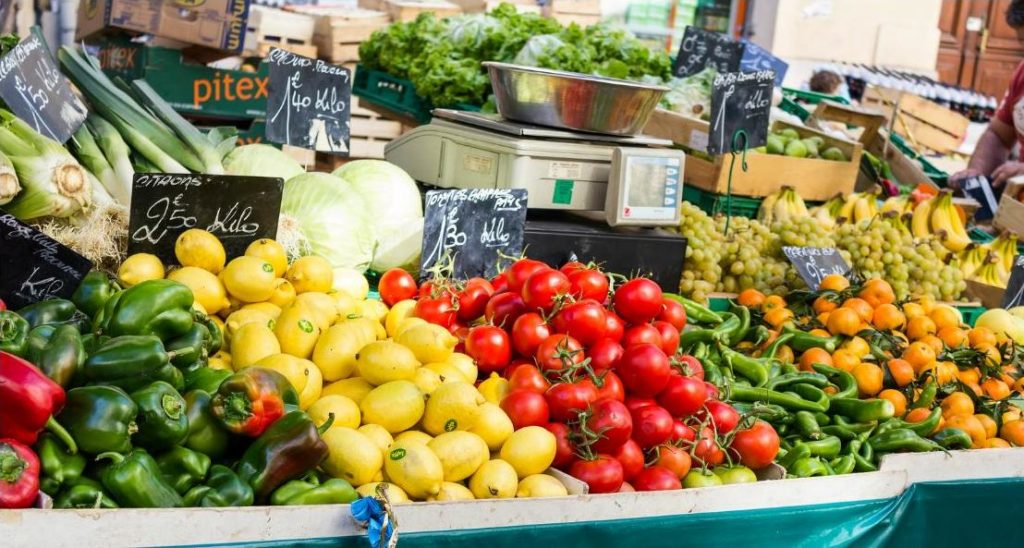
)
(827, 82)
(1006, 129)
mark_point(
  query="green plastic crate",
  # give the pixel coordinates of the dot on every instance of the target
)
(713, 204)
(394, 94)
(812, 97)
(794, 108)
(971, 313)
(938, 176)
(718, 304)
(979, 236)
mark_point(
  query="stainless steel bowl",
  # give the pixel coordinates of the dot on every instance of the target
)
(571, 100)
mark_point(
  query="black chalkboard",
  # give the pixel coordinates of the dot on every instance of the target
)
(756, 58)
(33, 266)
(978, 187)
(740, 100)
(700, 48)
(36, 91)
(1014, 294)
(814, 263)
(472, 228)
(308, 103)
(238, 210)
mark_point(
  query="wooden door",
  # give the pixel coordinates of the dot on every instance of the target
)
(999, 52)
(978, 49)
(952, 23)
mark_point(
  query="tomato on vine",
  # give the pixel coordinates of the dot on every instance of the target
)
(542, 289)
(489, 347)
(558, 352)
(638, 300)
(396, 285)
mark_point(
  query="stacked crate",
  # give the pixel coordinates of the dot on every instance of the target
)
(581, 12)
(273, 28)
(401, 11)
(337, 32)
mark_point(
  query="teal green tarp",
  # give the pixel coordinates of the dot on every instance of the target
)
(962, 513)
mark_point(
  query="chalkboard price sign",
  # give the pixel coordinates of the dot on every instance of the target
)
(814, 263)
(700, 48)
(36, 91)
(238, 210)
(472, 228)
(35, 267)
(1014, 294)
(308, 103)
(740, 100)
(756, 58)
(978, 187)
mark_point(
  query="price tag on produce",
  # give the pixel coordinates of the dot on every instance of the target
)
(472, 229)
(700, 48)
(815, 263)
(308, 103)
(238, 210)
(1014, 294)
(34, 89)
(756, 58)
(740, 101)
(35, 267)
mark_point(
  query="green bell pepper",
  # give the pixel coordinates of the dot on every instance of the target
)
(94, 291)
(36, 341)
(99, 418)
(287, 450)
(63, 356)
(13, 333)
(57, 465)
(183, 468)
(190, 348)
(131, 362)
(311, 491)
(84, 494)
(162, 308)
(223, 488)
(135, 480)
(48, 312)
(206, 379)
(215, 339)
(162, 419)
(205, 434)
(93, 342)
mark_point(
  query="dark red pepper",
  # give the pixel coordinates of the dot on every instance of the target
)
(28, 402)
(251, 400)
(19, 475)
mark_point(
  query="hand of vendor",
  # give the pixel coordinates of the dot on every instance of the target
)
(1005, 172)
(959, 177)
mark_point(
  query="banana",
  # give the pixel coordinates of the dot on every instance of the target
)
(821, 215)
(971, 258)
(764, 213)
(946, 223)
(895, 203)
(781, 210)
(865, 208)
(846, 211)
(797, 204)
(1006, 246)
(989, 273)
(919, 224)
(834, 205)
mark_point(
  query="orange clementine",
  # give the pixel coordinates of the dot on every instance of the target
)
(992, 355)
(913, 310)
(901, 371)
(777, 317)
(1013, 432)
(869, 378)
(988, 423)
(927, 303)
(920, 326)
(785, 354)
(920, 355)
(844, 321)
(876, 292)
(975, 388)
(919, 414)
(995, 388)
(957, 403)
(750, 297)
(772, 302)
(824, 304)
(858, 346)
(1018, 386)
(863, 309)
(887, 317)
(947, 372)
(834, 282)
(1012, 413)
(820, 333)
(932, 341)
(952, 336)
(968, 424)
(969, 376)
(996, 443)
(945, 316)
(845, 360)
(813, 356)
(981, 336)
(899, 401)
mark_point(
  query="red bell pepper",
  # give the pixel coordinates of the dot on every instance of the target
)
(19, 475)
(28, 402)
(249, 401)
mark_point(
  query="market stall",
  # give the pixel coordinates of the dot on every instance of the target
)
(588, 294)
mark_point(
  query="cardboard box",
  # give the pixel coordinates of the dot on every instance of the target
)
(218, 24)
(919, 120)
(1010, 214)
(990, 296)
(814, 179)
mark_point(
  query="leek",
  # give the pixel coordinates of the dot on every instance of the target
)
(207, 152)
(55, 185)
(117, 153)
(89, 154)
(9, 185)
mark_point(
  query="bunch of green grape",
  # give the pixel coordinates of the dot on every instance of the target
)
(747, 260)
(701, 270)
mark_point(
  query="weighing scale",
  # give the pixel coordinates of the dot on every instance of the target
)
(627, 178)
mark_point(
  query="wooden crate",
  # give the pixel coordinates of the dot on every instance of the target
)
(582, 7)
(298, 49)
(279, 28)
(583, 20)
(407, 10)
(814, 179)
(338, 31)
(920, 121)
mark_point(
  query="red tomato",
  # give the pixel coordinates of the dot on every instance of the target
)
(602, 475)
(690, 366)
(724, 417)
(712, 390)
(756, 446)
(396, 285)
(669, 337)
(528, 331)
(611, 419)
(489, 347)
(473, 299)
(681, 432)
(503, 309)
(520, 271)
(499, 283)
(604, 355)
(611, 387)
(673, 313)
(427, 289)
(438, 311)
(572, 266)
(706, 450)
(525, 408)
(588, 284)
(613, 326)
(557, 352)
(460, 331)
(633, 403)
(656, 478)
(683, 396)
(652, 426)
(644, 369)
(542, 288)
(527, 377)
(631, 457)
(564, 451)
(583, 321)
(641, 334)
(566, 400)
(638, 300)
(675, 459)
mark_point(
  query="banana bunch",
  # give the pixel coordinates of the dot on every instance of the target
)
(938, 217)
(902, 204)
(991, 272)
(897, 220)
(859, 206)
(1006, 247)
(782, 206)
(827, 213)
(972, 258)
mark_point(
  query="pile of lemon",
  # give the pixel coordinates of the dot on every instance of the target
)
(407, 413)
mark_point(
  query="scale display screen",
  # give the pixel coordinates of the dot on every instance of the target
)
(644, 187)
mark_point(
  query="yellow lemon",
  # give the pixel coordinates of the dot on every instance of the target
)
(398, 313)
(352, 282)
(242, 317)
(494, 388)
(198, 248)
(336, 349)
(220, 360)
(297, 371)
(249, 279)
(284, 293)
(453, 491)
(206, 288)
(541, 485)
(429, 342)
(321, 304)
(251, 343)
(385, 361)
(310, 273)
(529, 450)
(372, 308)
(354, 389)
(346, 412)
(381, 437)
(352, 455)
(493, 425)
(413, 436)
(461, 453)
(297, 331)
(407, 324)
(393, 492)
(427, 380)
(453, 406)
(270, 251)
(447, 372)
(415, 468)
(267, 308)
(139, 268)
(344, 303)
(495, 479)
(397, 406)
(465, 364)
